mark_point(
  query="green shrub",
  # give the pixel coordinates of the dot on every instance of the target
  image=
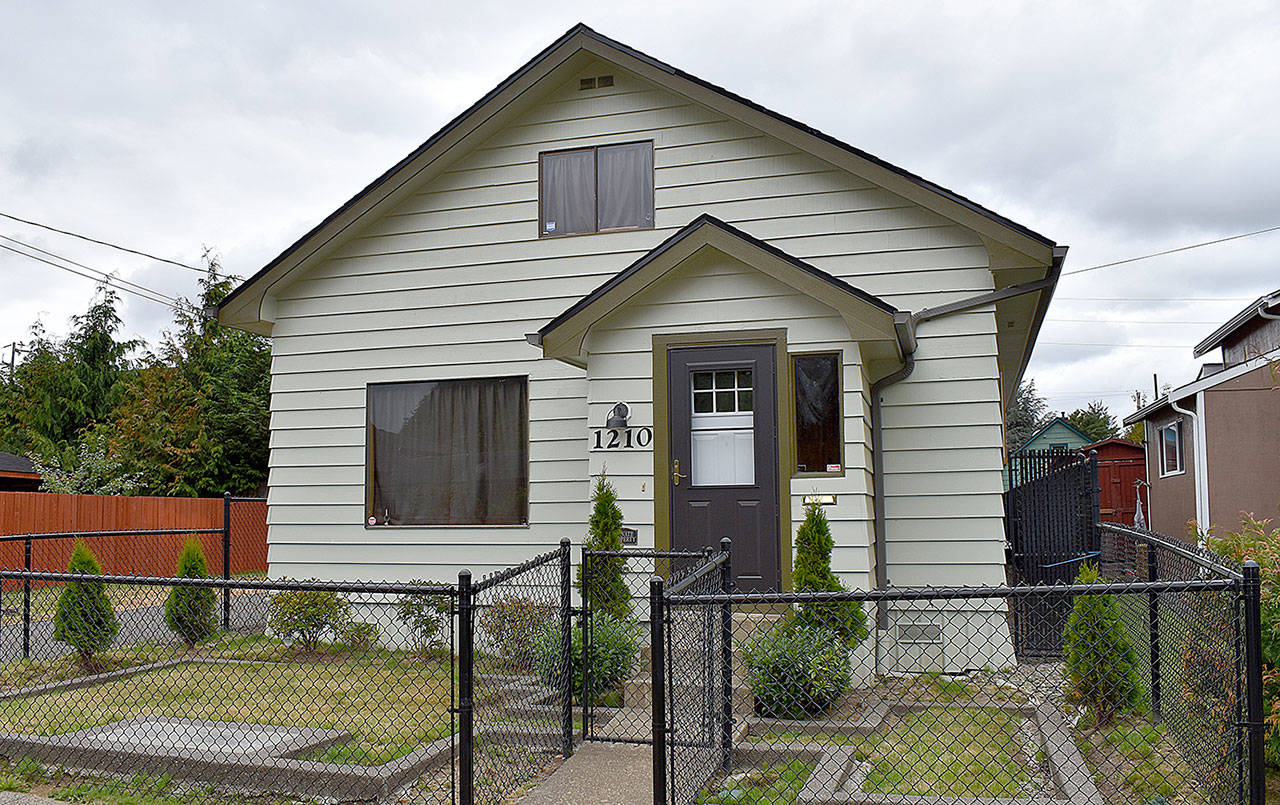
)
(608, 590)
(304, 616)
(189, 611)
(513, 625)
(359, 636)
(795, 671)
(615, 646)
(813, 574)
(85, 619)
(1101, 665)
(423, 614)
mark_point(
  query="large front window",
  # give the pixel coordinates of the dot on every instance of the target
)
(448, 452)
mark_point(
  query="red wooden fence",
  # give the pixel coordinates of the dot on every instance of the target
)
(1120, 464)
(41, 512)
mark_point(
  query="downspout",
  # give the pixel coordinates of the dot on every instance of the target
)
(904, 325)
(1200, 476)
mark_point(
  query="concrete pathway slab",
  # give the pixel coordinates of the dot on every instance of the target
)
(19, 798)
(599, 773)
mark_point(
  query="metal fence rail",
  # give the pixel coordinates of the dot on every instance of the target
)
(1155, 697)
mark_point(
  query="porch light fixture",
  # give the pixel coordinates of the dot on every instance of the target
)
(618, 416)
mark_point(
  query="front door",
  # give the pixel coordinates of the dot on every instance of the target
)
(723, 477)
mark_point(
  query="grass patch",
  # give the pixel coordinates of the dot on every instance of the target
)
(770, 785)
(390, 705)
(1134, 762)
(948, 751)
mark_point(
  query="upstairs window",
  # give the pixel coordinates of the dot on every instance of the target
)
(603, 189)
(1171, 449)
(448, 452)
(819, 435)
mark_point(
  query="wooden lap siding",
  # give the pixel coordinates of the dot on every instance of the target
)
(448, 284)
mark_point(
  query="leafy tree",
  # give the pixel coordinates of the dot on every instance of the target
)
(189, 611)
(608, 591)
(813, 573)
(1025, 416)
(93, 471)
(1102, 667)
(1094, 421)
(84, 618)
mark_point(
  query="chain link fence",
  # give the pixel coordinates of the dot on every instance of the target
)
(1154, 697)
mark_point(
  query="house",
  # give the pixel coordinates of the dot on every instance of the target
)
(1213, 445)
(607, 263)
(1056, 435)
(18, 474)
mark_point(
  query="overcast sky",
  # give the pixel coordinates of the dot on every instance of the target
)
(1117, 129)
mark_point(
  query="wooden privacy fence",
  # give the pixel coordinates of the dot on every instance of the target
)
(43, 513)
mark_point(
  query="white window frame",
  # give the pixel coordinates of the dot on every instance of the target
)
(1176, 427)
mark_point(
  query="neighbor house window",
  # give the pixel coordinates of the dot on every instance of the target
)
(600, 189)
(1171, 449)
(448, 452)
(818, 431)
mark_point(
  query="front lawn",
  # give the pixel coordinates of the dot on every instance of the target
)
(390, 704)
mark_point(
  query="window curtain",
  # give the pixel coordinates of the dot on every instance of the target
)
(568, 193)
(817, 379)
(449, 453)
(624, 185)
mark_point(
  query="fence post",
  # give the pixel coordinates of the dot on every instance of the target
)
(226, 560)
(566, 650)
(26, 600)
(587, 589)
(466, 682)
(1252, 590)
(658, 694)
(1153, 626)
(726, 657)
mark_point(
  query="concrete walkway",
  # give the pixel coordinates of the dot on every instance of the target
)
(18, 798)
(601, 773)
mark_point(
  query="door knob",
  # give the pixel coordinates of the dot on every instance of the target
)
(675, 473)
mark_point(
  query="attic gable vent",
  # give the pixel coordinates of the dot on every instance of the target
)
(586, 83)
(604, 81)
(595, 82)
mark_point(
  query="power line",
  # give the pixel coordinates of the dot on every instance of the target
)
(108, 280)
(1153, 298)
(103, 274)
(1116, 346)
(1172, 251)
(1128, 321)
(103, 243)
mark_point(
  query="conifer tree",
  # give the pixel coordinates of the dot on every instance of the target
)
(608, 588)
(813, 573)
(1102, 667)
(189, 611)
(84, 618)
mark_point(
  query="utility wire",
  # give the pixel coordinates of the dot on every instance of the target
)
(1127, 321)
(103, 243)
(1153, 298)
(1172, 251)
(104, 274)
(109, 280)
(1114, 346)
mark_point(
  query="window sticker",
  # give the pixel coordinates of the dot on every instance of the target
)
(551, 226)
(833, 468)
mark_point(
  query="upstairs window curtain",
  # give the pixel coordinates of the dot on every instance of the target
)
(600, 189)
(448, 452)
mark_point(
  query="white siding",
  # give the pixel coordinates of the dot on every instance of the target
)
(447, 285)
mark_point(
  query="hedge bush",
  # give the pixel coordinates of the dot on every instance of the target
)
(189, 611)
(424, 615)
(1102, 667)
(359, 636)
(85, 619)
(305, 616)
(813, 574)
(512, 626)
(615, 646)
(797, 671)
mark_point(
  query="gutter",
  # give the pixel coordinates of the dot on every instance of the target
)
(904, 325)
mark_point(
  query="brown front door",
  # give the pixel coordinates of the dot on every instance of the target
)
(724, 456)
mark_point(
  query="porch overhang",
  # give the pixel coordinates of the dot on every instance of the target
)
(869, 318)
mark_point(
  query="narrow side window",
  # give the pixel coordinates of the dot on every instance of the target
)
(818, 427)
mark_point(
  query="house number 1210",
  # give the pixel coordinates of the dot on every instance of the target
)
(621, 438)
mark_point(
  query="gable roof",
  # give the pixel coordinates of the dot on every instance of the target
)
(562, 336)
(1254, 310)
(579, 38)
(1057, 420)
(9, 463)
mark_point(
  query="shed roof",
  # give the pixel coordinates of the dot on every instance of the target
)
(9, 463)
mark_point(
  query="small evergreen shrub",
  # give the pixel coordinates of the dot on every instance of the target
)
(189, 611)
(615, 647)
(85, 619)
(813, 573)
(1101, 665)
(607, 588)
(796, 671)
(512, 626)
(305, 616)
(423, 614)
(359, 636)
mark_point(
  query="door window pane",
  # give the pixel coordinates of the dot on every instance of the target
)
(449, 452)
(568, 193)
(624, 185)
(818, 431)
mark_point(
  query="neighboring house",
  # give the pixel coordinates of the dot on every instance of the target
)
(18, 474)
(608, 263)
(1213, 445)
(1055, 435)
